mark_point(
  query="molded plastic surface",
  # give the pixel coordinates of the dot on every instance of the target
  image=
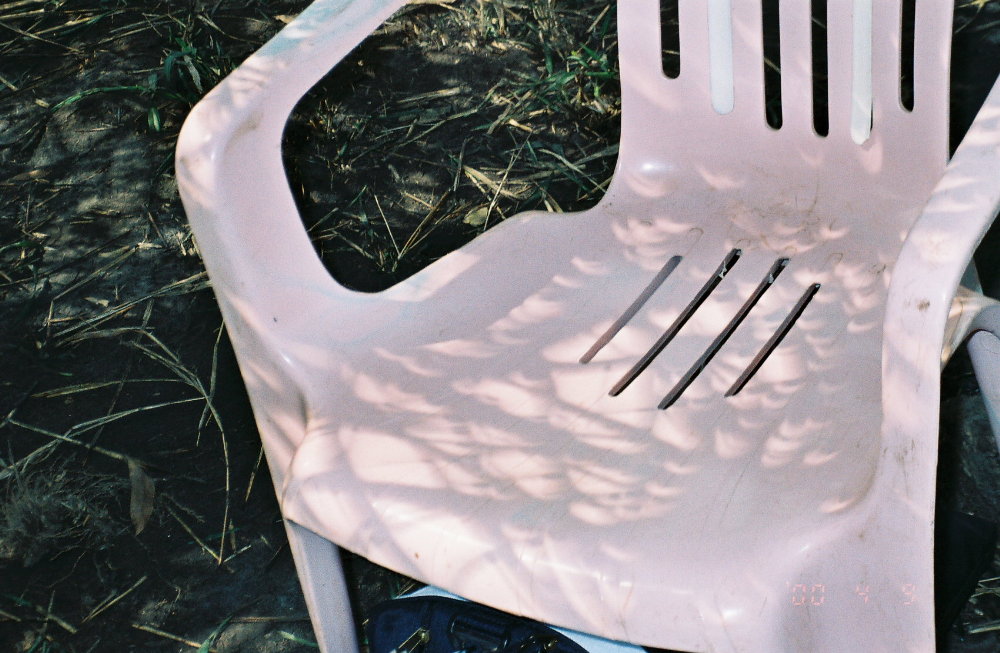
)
(448, 429)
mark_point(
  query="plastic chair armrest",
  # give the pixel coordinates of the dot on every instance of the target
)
(229, 165)
(924, 284)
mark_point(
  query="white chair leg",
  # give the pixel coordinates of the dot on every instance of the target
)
(321, 573)
(984, 349)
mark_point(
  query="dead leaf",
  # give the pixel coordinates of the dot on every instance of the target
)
(143, 493)
(477, 216)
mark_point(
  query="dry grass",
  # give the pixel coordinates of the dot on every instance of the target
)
(57, 511)
(460, 116)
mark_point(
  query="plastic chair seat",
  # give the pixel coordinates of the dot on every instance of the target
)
(460, 438)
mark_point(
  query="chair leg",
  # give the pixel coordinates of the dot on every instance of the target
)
(984, 349)
(321, 573)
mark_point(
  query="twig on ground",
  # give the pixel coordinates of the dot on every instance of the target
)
(46, 613)
(112, 600)
(164, 634)
(62, 438)
(215, 556)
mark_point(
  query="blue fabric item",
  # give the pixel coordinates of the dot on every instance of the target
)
(523, 632)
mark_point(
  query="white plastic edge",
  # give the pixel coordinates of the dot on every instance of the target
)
(861, 95)
(720, 44)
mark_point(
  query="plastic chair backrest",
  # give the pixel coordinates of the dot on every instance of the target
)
(710, 119)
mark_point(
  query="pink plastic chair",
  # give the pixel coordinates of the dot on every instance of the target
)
(700, 416)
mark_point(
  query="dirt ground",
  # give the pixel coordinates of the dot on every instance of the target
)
(135, 510)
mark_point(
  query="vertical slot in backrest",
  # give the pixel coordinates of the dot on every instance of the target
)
(670, 38)
(772, 62)
(906, 55)
(820, 76)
